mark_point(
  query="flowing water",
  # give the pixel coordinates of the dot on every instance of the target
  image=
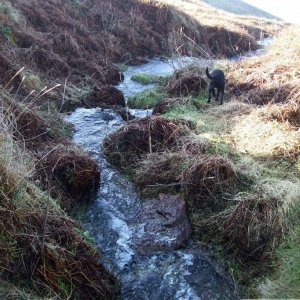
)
(112, 219)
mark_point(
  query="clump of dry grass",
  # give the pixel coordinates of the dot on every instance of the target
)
(159, 171)
(258, 136)
(40, 246)
(180, 85)
(287, 112)
(206, 180)
(66, 171)
(253, 227)
(139, 137)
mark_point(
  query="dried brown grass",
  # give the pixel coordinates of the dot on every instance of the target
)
(68, 174)
(127, 145)
(40, 247)
(185, 85)
(87, 36)
(273, 77)
(260, 135)
(207, 180)
(250, 228)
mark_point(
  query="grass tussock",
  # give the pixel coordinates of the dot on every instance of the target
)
(125, 146)
(206, 180)
(68, 172)
(162, 171)
(186, 85)
(251, 228)
(159, 172)
(187, 80)
(146, 78)
(146, 99)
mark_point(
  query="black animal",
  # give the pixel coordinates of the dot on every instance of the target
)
(217, 81)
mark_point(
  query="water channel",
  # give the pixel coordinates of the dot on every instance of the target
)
(184, 274)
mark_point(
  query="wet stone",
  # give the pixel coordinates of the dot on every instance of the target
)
(163, 224)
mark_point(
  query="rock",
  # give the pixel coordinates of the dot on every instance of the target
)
(164, 224)
(105, 96)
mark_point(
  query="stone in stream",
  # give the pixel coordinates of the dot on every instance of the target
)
(163, 224)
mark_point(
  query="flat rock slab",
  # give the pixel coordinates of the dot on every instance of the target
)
(163, 224)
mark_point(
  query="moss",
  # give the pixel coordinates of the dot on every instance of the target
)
(146, 78)
(146, 99)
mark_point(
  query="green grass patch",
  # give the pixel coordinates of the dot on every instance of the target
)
(285, 283)
(147, 78)
(187, 112)
(146, 99)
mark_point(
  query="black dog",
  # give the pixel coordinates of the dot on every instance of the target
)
(217, 81)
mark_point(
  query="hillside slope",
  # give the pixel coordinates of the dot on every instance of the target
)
(83, 38)
(240, 8)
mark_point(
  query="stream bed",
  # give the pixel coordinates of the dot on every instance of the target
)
(112, 219)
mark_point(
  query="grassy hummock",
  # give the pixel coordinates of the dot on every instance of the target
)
(146, 78)
(146, 99)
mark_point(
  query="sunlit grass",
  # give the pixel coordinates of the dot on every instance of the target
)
(146, 99)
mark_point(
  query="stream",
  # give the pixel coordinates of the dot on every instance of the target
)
(112, 218)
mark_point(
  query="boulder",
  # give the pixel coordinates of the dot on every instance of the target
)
(164, 224)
